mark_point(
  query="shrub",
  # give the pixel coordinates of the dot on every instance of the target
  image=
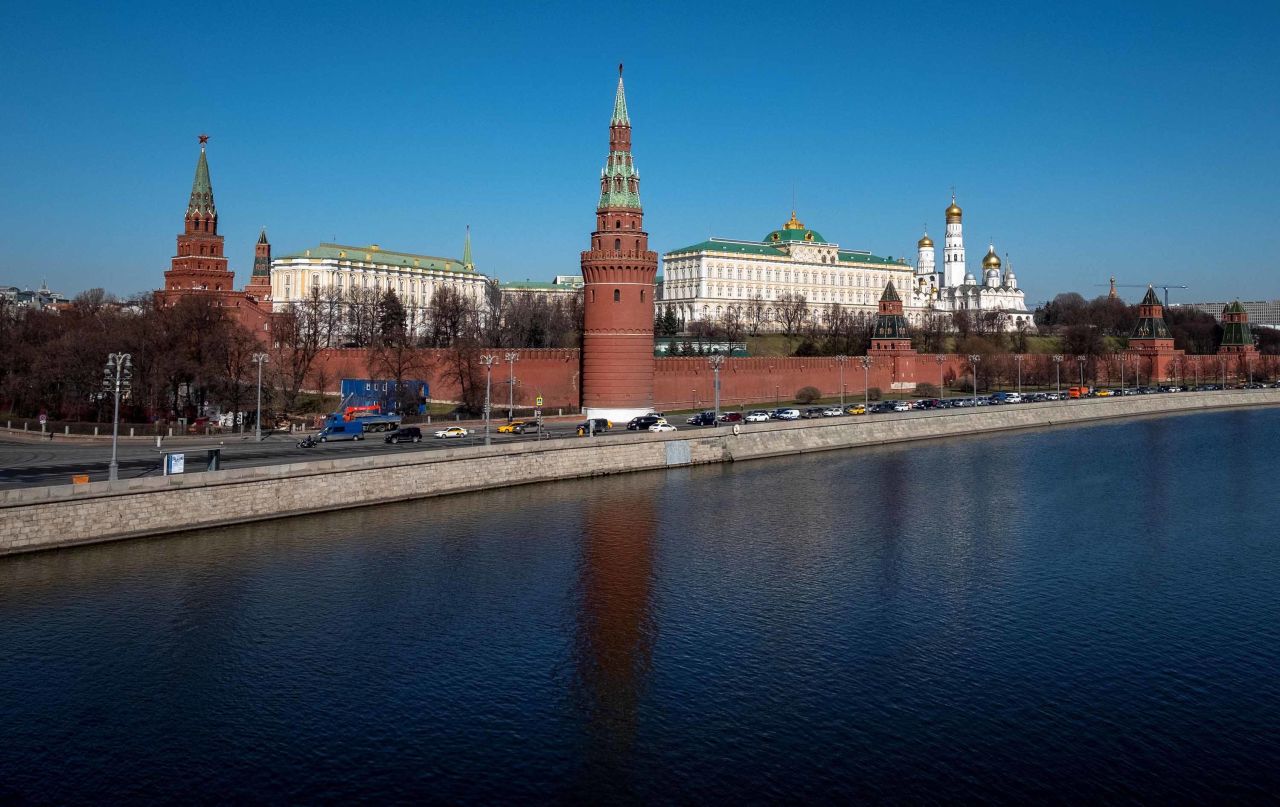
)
(926, 391)
(806, 395)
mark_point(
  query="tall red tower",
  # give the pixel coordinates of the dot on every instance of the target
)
(200, 263)
(618, 274)
(259, 285)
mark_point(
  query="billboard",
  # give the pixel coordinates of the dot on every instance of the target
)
(409, 397)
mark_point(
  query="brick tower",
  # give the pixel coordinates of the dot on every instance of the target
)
(1236, 336)
(260, 281)
(618, 274)
(200, 263)
(891, 352)
(1152, 341)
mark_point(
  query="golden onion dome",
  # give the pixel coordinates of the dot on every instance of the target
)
(793, 223)
(925, 241)
(954, 212)
(992, 260)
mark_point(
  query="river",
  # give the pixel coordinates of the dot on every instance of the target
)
(1071, 614)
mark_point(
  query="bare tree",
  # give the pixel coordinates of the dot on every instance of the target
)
(793, 312)
(755, 313)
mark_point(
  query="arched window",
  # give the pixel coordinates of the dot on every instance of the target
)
(617, 244)
(642, 295)
(637, 245)
(617, 225)
(617, 295)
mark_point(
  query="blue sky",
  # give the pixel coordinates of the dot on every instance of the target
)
(1087, 139)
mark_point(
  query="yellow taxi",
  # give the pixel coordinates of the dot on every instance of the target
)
(511, 428)
(855, 409)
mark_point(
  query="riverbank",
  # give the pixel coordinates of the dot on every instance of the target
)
(34, 519)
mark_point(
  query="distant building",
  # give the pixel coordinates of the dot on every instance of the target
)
(415, 278)
(1260, 312)
(560, 285)
(32, 299)
(703, 280)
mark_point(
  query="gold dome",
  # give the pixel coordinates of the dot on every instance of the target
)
(925, 241)
(992, 261)
(954, 212)
(793, 223)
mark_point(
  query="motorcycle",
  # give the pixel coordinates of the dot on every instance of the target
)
(308, 442)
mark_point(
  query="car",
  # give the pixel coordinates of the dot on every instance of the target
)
(901, 406)
(643, 422)
(529, 426)
(511, 428)
(406, 434)
(702, 419)
(812, 412)
(451, 432)
(1104, 393)
(594, 426)
(662, 426)
(731, 417)
(788, 414)
(855, 409)
(758, 416)
(777, 413)
(832, 412)
(353, 430)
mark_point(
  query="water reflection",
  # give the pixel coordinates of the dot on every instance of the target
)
(615, 630)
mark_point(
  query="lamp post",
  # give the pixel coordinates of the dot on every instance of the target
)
(258, 359)
(1081, 360)
(487, 360)
(1195, 364)
(1222, 361)
(865, 361)
(716, 362)
(941, 360)
(840, 360)
(1017, 359)
(1124, 359)
(512, 357)
(1057, 373)
(116, 380)
(974, 358)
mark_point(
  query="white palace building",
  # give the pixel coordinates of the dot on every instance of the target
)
(702, 281)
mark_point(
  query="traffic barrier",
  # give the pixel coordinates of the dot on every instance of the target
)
(80, 479)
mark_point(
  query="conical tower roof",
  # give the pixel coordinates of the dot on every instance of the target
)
(201, 203)
(262, 237)
(1150, 298)
(620, 104)
(890, 294)
(466, 251)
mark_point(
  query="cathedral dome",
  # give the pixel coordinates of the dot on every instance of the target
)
(992, 260)
(794, 230)
(925, 241)
(954, 213)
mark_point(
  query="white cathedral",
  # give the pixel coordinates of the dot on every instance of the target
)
(954, 288)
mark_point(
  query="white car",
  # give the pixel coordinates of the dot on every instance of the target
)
(452, 431)
(758, 416)
(901, 406)
(832, 412)
(662, 427)
(789, 414)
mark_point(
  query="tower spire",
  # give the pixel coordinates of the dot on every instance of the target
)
(201, 203)
(466, 252)
(620, 117)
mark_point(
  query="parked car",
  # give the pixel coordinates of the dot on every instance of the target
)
(901, 406)
(511, 428)
(702, 419)
(777, 413)
(451, 432)
(662, 426)
(405, 434)
(758, 416)
(594, 426)
(731, 417)
(643, 422)
(812, 412)
(832, 412)
(788, 414)
(855, 409)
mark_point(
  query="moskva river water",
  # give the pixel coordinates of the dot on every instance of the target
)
(1068, 615)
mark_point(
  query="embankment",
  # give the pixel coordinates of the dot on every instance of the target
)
(65, 515)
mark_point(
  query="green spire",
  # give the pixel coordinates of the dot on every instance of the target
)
(620, 104)
(466, 252)
(202, 188)
(1236, 331)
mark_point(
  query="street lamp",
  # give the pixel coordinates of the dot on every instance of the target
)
(512, 357)
(840, 360)
(941, 360)
(1222, 360)
(1017, 359)
(488, 361)
(865, 361)
(1057, 373)
(974, 358)
(716, 361)
(1081, 360)
(116, 380)
(259, 359)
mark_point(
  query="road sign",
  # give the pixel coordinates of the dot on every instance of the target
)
(174, 463)
(538, 401)
(43, 418)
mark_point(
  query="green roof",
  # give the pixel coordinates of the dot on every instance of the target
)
(377, 255)
(1234, 308)
(538, 285)
(201, 190)
(796, 235)
(620, 104)
(754, 248)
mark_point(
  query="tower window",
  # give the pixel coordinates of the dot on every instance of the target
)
(617, 295)
(642, 295)
(617, 244)
(617, 225)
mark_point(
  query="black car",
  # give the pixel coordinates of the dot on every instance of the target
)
(702, 419)
(642, 423)
(593, 426)
(405, 434)
(812, 412)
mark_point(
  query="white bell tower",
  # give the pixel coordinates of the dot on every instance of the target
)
(926, 268)
(953, 271)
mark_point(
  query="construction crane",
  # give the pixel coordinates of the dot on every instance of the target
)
(1166, 286)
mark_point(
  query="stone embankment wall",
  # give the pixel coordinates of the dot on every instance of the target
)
(43, 518)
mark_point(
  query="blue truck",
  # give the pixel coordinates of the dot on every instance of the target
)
(408, 397)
